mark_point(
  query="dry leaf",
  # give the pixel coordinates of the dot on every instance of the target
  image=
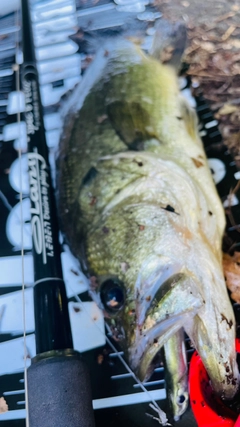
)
(219, 61)
(235, 43)
(235, 7)
(236, 57)
(227, 109)
(231, 268)
(197, 162)
(166, 54)
(236, 115)
(214, 57)
(236, 69)
(227, 46)
(3, 405)
(208, 46)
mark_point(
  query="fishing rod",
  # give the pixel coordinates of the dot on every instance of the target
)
(57, 382)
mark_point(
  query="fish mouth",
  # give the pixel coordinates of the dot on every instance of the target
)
(150, 345)
(143, 354)
(168, 312)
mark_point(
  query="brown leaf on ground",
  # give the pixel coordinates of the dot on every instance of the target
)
(227, 109)
(214, 58)
(231, 268)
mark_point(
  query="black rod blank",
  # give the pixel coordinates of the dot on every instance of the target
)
(58, 382)
(51, 315)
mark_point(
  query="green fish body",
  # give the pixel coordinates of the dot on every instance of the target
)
(140, 211)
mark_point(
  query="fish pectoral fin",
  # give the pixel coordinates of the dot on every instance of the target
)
(131, 122)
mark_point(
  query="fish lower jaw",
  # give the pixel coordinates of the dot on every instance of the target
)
(147, 345)
(144, 364)
(144, 374)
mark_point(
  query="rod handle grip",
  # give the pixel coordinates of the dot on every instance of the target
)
(59, 393)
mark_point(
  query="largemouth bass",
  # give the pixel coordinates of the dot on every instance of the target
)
(140, 211)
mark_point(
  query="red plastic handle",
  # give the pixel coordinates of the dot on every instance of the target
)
(208, 410)
(237, 423)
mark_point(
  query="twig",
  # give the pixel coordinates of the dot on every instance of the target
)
(228, 33)
(226, 16)
(224, 86)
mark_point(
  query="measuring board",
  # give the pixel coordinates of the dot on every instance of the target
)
(62, 59)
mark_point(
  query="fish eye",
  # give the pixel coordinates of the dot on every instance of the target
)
(112, 295)
(181, 399)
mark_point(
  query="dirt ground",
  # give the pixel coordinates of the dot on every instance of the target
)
(214, 57)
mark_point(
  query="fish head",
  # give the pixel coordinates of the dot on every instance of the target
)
(145, 295)
(153, 270)
(144, 314)
(136, 252)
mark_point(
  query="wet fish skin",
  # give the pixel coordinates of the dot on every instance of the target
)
(138, 204)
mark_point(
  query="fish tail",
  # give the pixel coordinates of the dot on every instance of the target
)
(169, 43)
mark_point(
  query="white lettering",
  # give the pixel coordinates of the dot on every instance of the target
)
(37, 234)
